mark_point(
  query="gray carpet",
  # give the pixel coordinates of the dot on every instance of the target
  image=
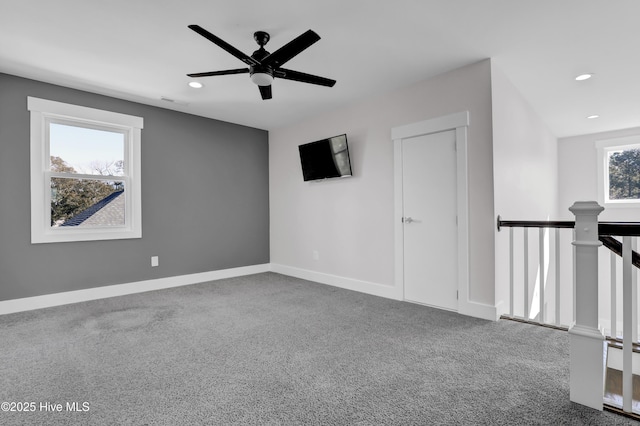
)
(270, 349)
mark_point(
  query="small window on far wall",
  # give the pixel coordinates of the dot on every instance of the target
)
(619, 172)
(85, 173)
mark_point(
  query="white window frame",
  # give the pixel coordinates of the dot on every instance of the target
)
(604, 147)
(44, 112)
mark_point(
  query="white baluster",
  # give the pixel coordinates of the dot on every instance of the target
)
(574, 278)
(557, 257)
(586, 368)
(542, 274)
(526, 273)
(634, 292)
(614, 304)
(627, 326)
(511, 272)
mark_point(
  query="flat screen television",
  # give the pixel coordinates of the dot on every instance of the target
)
(326, 158)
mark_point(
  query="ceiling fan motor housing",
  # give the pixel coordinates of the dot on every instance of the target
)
(262, 75)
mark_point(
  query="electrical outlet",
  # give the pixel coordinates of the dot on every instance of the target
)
(154, 260)
(316, 255)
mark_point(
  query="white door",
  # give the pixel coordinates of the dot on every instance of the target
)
(429, 191)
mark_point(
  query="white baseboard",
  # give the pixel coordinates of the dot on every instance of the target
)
(478, 310)
(49, 300)
(375, 289)
(65, 298)
(474, 309)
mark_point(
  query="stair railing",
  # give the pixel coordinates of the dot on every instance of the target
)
(586, 335)
(560, 318)
(624, 248)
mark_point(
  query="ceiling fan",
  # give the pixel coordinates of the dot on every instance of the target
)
(264, 66)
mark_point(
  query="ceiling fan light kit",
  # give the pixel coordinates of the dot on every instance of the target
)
(262, 78)
(264, 66)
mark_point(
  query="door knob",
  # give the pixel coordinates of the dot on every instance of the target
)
(407, 220)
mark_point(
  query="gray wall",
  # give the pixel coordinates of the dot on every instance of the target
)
(205, 200)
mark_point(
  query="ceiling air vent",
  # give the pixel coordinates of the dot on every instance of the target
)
(173, 101)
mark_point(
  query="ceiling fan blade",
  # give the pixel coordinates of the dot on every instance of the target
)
(225, 72)
(291, 49)
(265, 92)
(224, 45)
(303, 77)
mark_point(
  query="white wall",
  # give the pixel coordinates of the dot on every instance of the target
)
(578, 180)
(524, 155)
(349, 222)
(525, 174)
(578, 174)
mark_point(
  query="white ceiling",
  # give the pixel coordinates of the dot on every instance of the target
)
(141, 50)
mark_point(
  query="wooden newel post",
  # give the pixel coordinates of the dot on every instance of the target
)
(587, 340)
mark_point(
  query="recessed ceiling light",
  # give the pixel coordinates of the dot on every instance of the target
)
(195, 84)
(583, 77)
(591, 117)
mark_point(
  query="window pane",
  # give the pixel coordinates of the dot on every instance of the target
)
(88, 151)
(624, 174)
(87, 202)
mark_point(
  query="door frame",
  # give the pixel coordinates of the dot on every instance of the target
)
(458, 122)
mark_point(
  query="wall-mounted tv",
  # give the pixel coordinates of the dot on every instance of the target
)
(326, 158)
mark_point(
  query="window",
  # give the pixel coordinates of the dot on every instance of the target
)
(619, 172)
(85, 173)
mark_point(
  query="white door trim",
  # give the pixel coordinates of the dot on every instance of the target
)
(458, 122)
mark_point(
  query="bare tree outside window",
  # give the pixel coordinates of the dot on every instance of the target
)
(71, 196)
(624, 175)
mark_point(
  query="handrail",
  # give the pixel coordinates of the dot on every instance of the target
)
(534, 223)
(616, 247)
(623, 229)
(631, 229)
